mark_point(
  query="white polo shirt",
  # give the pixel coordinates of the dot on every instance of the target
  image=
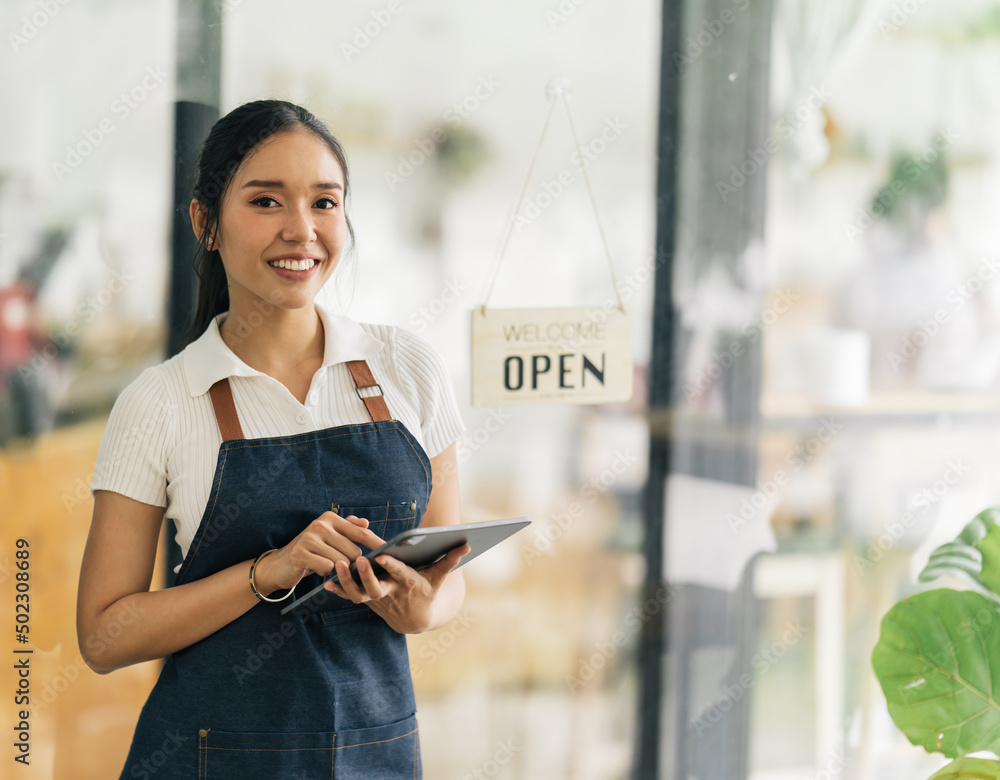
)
(162, 439)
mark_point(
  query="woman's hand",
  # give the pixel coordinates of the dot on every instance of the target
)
(412, 601)
(326, 541)
(406, 599)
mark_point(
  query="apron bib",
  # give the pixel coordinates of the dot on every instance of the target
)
(327, 695)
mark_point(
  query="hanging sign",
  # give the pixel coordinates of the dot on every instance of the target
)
(562, 355)
(557, 355)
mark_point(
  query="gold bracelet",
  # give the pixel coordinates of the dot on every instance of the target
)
(253, 587)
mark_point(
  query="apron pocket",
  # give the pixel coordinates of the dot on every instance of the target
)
(389, 752)
(385, 520)
(295, 756)
(382, 753)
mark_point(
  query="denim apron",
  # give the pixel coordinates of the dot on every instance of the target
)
(325, 695)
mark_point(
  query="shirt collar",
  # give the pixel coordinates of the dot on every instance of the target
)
(208, 359)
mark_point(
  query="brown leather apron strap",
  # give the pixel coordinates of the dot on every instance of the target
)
(229, 421)
(363, 379)
(225, 410)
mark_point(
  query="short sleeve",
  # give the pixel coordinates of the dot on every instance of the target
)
(422, 368)
(132, 458)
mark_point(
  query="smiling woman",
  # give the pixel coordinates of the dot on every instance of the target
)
(279, 235)
(296, 179)
(275, 469)
(265, 218)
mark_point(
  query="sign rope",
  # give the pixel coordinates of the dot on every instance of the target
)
(557, 91)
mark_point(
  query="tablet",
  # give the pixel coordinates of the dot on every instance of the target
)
(420, 548)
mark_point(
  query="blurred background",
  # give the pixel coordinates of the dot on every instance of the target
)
(800, 200)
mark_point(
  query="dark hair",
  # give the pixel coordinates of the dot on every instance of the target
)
(230, 141)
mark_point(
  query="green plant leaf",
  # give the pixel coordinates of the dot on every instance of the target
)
(974, 556)
(938, 661)
(989, 546)
(970, 769)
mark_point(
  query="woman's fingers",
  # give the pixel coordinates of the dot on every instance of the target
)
(338, 538)
(434, 573)
(403, 584)
(404, 598)
(325, 541)
(395, 568)
(356, 529)
(374, 587)
(370, 587)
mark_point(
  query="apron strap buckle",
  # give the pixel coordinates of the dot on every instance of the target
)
(363, 380)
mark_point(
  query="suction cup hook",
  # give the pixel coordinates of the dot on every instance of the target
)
(558, 88)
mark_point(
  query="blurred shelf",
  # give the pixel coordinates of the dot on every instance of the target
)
(884, 410)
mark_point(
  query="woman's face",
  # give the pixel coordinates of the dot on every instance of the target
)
(282, 225)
